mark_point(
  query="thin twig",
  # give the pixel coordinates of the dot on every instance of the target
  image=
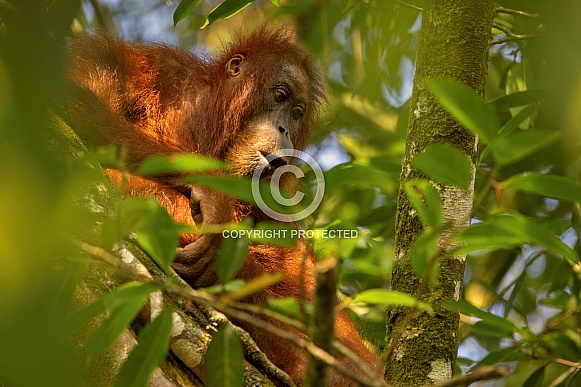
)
(409, 5)
(481, 373)
(510, 11)
(515, 38)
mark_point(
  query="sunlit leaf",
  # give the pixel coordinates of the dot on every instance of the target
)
(445, 164)
(276, 2)
(517, 99)
(467, 107)
(224, 362)
(184, 8)
(558, 187)
(255, 285)
(177, 163)
(385, 298)
(236, 186)
(522, 144)
(287, 306)
(226, 9)
(152, 349)
(231, 257)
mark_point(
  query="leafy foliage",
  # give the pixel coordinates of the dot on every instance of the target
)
(522, 288)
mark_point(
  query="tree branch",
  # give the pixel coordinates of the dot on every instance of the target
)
(510, 11)
(481, 373)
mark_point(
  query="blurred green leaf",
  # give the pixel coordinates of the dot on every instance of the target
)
(385, 298)
(558, 187)
(152, 349)
(486, 237)
(122, 304)
(467, 107)
(224, 362)
(156, 232)
(445, 164)
(178, 163)
(536, 379)
(523, 227)
(230, 257)
(236, 186)
(424, 252)
(358, 173)
(514, 122)
(492, 320)
(287, 306)
(522, 144)
(275, 2)
(184, 8)
(226, 9)
(520, 98)
(255, 285)
(560, 300)
(426, 200)
(486, 329)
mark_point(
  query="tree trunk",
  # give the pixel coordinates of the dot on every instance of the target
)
(453, 43)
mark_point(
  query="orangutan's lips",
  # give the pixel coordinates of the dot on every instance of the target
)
(270, 163)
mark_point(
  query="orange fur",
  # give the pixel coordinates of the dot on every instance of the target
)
(155, 100)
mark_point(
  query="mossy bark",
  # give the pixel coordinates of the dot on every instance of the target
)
(453, 43)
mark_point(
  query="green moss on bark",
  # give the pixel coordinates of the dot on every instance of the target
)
(453, 44)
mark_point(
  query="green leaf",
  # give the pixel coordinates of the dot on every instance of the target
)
(287, 306)
(491, 319)
(523, 227)
(223, 365)
(177, 163)
(183, 10)
(359, 173)
(123, 304)
(385, 298)
(445, 164)
(426, 200)
(231, 257)
(536, 379)
(226, 9)
(238, 187)
(152, 349)
(424, 251)
(521, 144)
(520, 98)
(558, 187)
(485, 237)
(467, 107)
(484, 328)
(156, 232)
(513, 124)
(276, 2)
